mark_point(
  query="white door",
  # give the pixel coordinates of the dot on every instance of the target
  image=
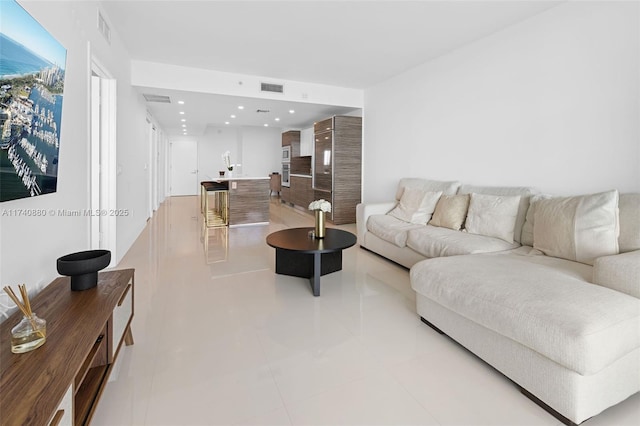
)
(184, 168)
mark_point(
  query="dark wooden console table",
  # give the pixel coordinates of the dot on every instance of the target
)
(300, 255)
(61, 381)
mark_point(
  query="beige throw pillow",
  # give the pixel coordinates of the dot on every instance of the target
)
(580, 228)
(493, 215)
(450, 211)
(416, 205)
(526, 237)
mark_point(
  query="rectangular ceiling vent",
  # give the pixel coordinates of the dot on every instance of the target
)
(270, 87)
(103, 28)
(157, 98)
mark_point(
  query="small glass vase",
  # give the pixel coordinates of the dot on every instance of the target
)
(320, 228)
(229, 173)
(29, 334)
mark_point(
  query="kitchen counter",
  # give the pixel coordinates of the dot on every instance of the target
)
(298, 175)
(248, 200)
(227, 179)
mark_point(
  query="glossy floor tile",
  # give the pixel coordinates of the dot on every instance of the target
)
(220, 339)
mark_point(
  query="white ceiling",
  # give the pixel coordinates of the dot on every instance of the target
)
(202, 110)
(353, 44)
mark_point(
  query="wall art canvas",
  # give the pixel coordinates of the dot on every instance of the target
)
(32, 71)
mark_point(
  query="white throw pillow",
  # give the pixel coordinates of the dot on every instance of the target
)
(493, 215)
(416, 205)
(580, 228)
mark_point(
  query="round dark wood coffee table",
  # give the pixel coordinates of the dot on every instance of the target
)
(299, 254)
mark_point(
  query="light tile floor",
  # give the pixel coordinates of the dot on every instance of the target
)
(221, 339)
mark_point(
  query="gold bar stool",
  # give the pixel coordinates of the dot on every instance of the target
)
(216, 213)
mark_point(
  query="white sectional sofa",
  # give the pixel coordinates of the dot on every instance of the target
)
(557, 310)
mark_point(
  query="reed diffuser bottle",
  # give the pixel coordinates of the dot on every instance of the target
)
(29, 334)
(31, 331)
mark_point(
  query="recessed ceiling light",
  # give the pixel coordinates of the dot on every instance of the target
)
(181, 102)
(233, 116)
(240, 107)
(181, 112)
(183, 120)
(277, 118)
(266, 125)
(291, 111)
(226, 122)
(184, 125)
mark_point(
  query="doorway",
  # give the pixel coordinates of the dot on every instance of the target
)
(103, 160)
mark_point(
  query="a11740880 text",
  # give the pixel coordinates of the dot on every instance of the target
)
(64, 212)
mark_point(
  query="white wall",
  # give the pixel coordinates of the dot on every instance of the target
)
(262, 151)
(257, 149)
(177, 77)
(552, 102)
(30, 245)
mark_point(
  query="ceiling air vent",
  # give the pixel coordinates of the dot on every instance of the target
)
(270, 87)
(103, 28)
(157, 98)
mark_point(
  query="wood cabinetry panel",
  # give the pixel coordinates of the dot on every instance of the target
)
(285, 194)
(323, 126)
(292, 138)
(323, 161)
(248, 201)
(34, 384)
(338, 165)
(301, 191)
(347, 168)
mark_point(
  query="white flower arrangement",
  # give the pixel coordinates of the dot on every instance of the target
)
(226, 157)
(323, 205)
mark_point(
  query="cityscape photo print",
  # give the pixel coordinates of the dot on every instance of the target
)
(32, 70)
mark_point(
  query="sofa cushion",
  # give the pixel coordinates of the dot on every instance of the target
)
(541, 302)
(450, 211)
(433, 241)
(416, 205)
(524, 193)
(448, 188)
(493, 215)
(390, 229)
(629, 206)
(578, 228)
(526, 238)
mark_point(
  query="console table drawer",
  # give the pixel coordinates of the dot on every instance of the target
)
(121, 316)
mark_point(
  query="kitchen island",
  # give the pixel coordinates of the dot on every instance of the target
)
(248, 200)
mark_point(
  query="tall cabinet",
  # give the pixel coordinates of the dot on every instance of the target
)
(337, 165)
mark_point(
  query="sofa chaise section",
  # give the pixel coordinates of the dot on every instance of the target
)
(567, 332)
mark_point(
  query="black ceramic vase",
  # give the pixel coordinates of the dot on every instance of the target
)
(83, 267)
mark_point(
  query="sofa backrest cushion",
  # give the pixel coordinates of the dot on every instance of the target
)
(629, 205)
(447, 188)
(493, 215)
(580, 228)
(416, 206)
(524, 192)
